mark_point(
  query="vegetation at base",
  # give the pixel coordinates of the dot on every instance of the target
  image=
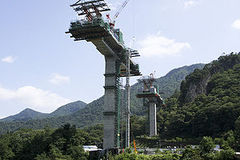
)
(204, 151)
(64, 143)
(167, 155)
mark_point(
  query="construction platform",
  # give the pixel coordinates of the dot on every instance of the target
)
(118, 60)
(151, 94)
(108, 41)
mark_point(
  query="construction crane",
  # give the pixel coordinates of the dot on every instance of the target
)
(118, 60)
(112, 21)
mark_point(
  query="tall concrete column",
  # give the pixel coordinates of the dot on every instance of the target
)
(152, 119)
(109, 113)
(127, 139)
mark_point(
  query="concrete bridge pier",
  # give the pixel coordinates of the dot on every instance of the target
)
(110, 110)
(152, 119)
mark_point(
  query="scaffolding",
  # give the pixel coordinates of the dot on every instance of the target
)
(109, 42)
(90, 8)
(150, 94)
(149, 91)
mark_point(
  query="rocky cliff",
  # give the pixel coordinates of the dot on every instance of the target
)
(197, 82)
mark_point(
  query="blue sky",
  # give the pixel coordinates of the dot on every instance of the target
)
(42, 68)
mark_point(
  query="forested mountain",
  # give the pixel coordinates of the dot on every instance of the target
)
(209, 102)
(168, 84)
(92, 113)
(29, 114)
(89, 115)
(25, 115)
(68, 109)
(198, 82)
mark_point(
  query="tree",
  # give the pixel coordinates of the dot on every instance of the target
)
(5, 151)
(77, 153)
(207, 148)
(227, 154)
(42, 156)
(237, 133)
(190, 153)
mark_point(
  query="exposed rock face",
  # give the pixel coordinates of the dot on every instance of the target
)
(196, 89)
(197, 82)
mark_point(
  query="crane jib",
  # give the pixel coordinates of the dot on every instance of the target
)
(120, 9)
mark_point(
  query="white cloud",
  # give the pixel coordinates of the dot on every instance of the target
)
(58, 79)
(9, 59)
(236, 24)
(190, 3)
(6, 94)
(35, 98)
(158, 45)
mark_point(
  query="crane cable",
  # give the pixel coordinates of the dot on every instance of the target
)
(133, 26)
(133, 38)
(120, 9)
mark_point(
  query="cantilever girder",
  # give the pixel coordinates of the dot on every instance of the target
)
(107, 40)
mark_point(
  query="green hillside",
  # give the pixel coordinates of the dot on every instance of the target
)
(29, 114)
(168, 84)
(92, 113)
(208, 103)
(68, 109)
(25, 115)
(89, 115)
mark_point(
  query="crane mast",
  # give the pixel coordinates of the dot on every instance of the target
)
(112, 21)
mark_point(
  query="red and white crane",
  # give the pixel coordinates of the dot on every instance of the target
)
(112, 21)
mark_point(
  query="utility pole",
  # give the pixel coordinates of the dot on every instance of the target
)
(128, 99)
